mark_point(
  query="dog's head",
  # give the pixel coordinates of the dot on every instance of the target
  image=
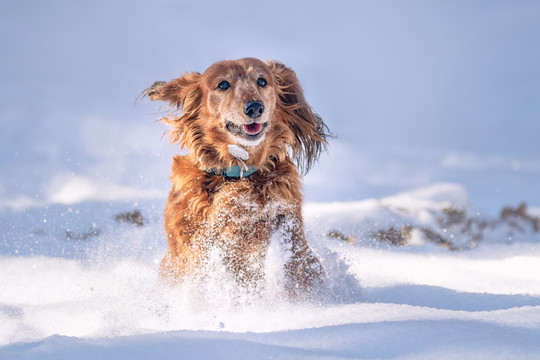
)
(256, 105)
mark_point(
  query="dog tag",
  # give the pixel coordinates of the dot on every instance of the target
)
(238, 152)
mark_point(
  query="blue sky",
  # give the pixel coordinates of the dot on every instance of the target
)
(404, 85)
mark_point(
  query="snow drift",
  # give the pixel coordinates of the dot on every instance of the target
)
(97, 290)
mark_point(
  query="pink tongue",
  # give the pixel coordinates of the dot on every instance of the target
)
(252, 129)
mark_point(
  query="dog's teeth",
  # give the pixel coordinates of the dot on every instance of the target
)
(238, 152)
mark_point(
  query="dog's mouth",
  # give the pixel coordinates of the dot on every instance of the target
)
(249, 131)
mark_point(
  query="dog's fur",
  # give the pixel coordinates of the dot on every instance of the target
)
(207, 210)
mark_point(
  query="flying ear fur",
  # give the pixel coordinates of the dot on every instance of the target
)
(180, 92)
(309, 129)
(184, 94)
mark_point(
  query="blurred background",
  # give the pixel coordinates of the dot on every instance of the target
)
(417, 92)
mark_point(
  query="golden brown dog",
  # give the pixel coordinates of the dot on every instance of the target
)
(245, 124)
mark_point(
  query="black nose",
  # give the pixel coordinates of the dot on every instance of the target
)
(253, 109)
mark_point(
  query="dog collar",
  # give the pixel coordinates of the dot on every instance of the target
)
(239, 171)
(233, 171)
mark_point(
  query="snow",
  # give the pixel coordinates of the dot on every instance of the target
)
(435, 109)
(63, 297)
(72, 189)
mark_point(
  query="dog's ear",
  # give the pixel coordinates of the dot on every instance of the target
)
(184, 94)
(310, 132)
(181, 93)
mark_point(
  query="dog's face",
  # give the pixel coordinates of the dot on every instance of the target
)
(241, 97)
(259, 106)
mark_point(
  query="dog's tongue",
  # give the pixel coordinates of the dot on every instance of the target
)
(252, 129)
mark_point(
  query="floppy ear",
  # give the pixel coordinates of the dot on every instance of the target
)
(310, 132)
(179, 92)
(184, 94)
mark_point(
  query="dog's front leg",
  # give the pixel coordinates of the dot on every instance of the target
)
(241, 234)
(302, 269)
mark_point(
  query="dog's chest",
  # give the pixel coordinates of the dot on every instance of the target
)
(243, 203)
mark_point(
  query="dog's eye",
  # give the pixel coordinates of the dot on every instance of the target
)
(261, 82)
(224, 85)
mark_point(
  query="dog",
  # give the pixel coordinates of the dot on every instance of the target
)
(249, 133)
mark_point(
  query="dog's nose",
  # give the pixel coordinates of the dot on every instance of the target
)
(253, 109)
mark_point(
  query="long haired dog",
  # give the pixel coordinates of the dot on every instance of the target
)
(248, 129)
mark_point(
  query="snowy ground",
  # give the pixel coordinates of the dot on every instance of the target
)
(96, 292)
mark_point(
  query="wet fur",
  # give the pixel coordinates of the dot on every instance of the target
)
(239, 216)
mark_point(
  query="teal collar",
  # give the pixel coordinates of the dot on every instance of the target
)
(233, 171)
